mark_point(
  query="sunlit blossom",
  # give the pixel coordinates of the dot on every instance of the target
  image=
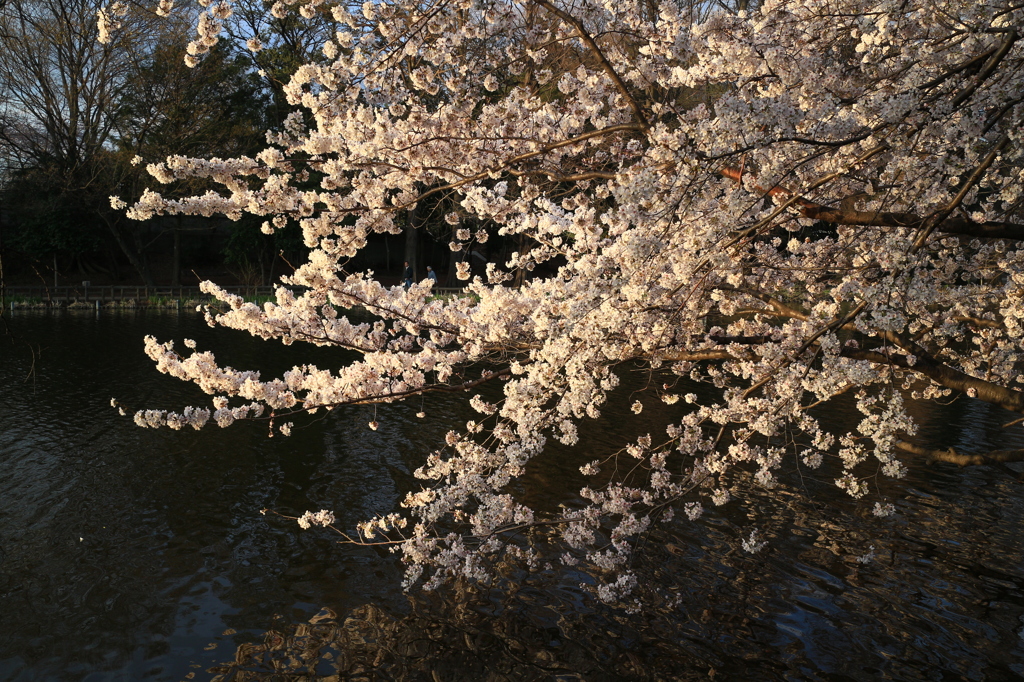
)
(823, 220)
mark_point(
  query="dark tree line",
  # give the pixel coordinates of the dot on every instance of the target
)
(80, 120)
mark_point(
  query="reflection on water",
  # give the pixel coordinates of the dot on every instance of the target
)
(130, 554)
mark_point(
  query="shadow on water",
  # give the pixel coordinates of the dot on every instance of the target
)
(131, 554)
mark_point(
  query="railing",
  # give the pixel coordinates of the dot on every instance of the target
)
(122, 293)
(113, 293)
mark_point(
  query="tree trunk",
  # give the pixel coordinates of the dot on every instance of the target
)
(176, 264)
(451, 280)
(412, 236)
(135, 255)
(524, 248)
(115, 268)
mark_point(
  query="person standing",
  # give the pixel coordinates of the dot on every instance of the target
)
(431, 275)
(408, 275)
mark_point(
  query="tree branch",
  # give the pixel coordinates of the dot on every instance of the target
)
(944, 375)
(951, 456)
(508, 163)
(942, 214)
(393, 396)
(697, 356)
(969, 65)
(989, 68)
(979, 322)
(605, 64)
(849, 216)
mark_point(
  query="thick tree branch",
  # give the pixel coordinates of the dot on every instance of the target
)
(979, 322)
(951, 456)
(944, 375)
(849, 216)
(950, 225)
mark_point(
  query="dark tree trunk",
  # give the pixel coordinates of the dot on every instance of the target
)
(176, 261)
(115, 268)
(524, 248)
(452, 280)
(412, 238)
(133, 252)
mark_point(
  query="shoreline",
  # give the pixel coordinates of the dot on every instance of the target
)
(127, 304)
(138, 297)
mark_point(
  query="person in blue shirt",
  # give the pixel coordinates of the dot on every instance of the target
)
(408, 275)
(431, 275)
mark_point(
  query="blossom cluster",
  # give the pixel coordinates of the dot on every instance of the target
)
(786, 204)
(321, 518)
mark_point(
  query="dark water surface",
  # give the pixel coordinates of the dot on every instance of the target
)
(135, 554)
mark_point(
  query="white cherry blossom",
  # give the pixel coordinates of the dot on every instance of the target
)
(788, 204)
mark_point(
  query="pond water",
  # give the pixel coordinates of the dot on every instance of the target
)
(134, 554)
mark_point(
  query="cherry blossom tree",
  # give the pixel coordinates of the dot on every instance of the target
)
(788, 201)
